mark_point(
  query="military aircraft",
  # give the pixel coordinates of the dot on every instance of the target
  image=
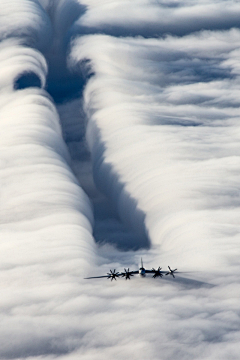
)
(113, 275)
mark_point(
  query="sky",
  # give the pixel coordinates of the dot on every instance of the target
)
(119, 141)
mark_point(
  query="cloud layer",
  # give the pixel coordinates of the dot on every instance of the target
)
(46, 218)
(153, 18)
(148, 125)
(163, 117)
(26, 20)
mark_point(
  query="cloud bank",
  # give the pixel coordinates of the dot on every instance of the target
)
(153, 18)
(26, 20)
(46, 218)
(158, 120)
(148, 125)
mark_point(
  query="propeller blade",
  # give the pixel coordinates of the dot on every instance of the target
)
(127, 273)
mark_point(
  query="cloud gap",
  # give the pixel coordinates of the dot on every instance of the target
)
(27, 80)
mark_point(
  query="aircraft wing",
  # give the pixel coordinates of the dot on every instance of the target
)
(153, 272)
(132, 272)
(97, 277)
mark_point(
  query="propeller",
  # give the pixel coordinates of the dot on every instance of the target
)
(113, 275)
(171, 272)
(127, 274)
(157, 272)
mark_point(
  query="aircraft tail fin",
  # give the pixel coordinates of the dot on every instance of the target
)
(141, 263)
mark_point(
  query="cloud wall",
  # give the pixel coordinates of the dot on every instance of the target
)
(26, 20)
(46, 218)
(160, 120)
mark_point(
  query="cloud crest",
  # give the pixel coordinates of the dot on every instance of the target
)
(28, 22)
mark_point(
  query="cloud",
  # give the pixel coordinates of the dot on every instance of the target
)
(62, 84)
(143, 136)
(18, 61)
(162, 137)
(151, 18)
(163, 133)
(26, 20)
(46, 218)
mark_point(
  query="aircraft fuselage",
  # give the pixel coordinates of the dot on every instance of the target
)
(142, 271)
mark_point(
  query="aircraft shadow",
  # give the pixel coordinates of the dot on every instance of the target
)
(189, 283)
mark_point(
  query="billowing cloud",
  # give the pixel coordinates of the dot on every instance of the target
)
(17, 60)
(153, 18)
(157, 120)
(25, 19)
(46, 218)
(163, 132)
(147, 160)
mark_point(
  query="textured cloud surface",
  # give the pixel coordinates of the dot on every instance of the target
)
(25, 19)
(46, 218)
(132, 150)
(164, 118)
(151, 18)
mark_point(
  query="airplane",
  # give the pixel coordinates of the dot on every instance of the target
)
(113, 275)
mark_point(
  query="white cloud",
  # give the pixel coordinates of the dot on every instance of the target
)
(157, 120)
(17, 60)
(27, 20)
(45, 217)
(152, 18)
(163, 133)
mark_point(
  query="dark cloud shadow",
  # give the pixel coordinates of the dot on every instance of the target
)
(63, 84)
(173, 121)
(188, 282)
(115, 211)
(118, 220)
(37, 347)
(176, 26)
(27, 80)
(109, 229)
(66, 88)
(122, 207)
